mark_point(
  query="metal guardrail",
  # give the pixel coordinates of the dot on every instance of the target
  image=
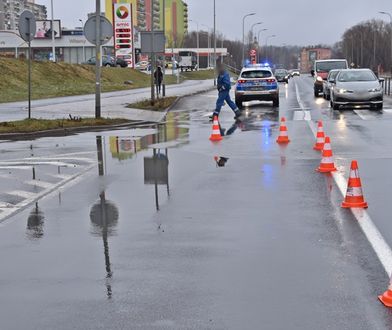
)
(386, 85)
(233, 69)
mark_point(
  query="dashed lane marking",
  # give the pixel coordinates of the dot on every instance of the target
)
(373, 235)
(306, 113)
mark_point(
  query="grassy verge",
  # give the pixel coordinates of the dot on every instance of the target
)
(199, 75)
(160, 105)
(37, 125)
(62, 79)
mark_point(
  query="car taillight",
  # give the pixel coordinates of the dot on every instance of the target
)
(271, 80)
(241, 81)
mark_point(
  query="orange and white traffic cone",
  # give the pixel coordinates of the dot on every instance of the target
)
(354, 195)
(216, 133)
(327, 163)
(386, 297)
(283, 133)
(320, 137)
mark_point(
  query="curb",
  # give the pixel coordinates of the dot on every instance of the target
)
(68, 131)
(179, 98)
(75, 130)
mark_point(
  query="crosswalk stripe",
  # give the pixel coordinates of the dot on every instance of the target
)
(5, 205)
(39, 183)
(21, 193)
(61, 176)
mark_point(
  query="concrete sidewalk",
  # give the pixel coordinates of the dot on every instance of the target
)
(113, 104)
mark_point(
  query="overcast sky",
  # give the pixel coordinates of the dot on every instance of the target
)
(302, 22)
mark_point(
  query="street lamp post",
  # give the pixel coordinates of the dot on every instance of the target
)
(84, 47)
(266, 44)
(253, 27)
(243, 36)
(197, 42)
(209, 43)
(259, 41)
(390, 17)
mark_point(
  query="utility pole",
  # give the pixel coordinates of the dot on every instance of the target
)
(29, 74)
(98, 59)
(152, 55)
(197, 43)
(84, 45)
(374, 51)
(214, 40)
(222, 49)
(390, 17)
(164, 54)
(53, 35)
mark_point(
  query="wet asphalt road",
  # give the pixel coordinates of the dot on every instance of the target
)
(138, 229)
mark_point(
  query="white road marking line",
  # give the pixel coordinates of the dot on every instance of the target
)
(60, 176)
(373, 235)
(363, 115)
(371, 232)
(79, 159)
(39, 183)
(66, 183)
(306, 113)
(15, 167)
(6, 205)
(21, 193)
(36, 163)
(61, 156)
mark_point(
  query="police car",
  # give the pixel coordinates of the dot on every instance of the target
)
(256, 83)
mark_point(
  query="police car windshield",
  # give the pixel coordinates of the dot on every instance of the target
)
(254, 74)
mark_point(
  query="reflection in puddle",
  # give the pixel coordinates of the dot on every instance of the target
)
(221, 161)
(175, 128)
(104, 217)
(156, 172)
(35, 224)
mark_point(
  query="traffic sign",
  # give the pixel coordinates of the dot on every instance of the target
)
(27, 25)
(106, 30)
(253, 52)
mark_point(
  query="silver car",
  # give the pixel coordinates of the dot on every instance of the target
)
(356, 88)
(329, 83)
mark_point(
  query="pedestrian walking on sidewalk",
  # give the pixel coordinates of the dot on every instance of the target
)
(158, 76)
(224, 87)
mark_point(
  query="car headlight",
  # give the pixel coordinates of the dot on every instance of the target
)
(343, 91)
(319, 79)
(375, 90)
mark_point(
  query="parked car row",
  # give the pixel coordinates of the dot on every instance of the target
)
(109, 61)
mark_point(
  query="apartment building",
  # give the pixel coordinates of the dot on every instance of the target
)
(10, 11)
